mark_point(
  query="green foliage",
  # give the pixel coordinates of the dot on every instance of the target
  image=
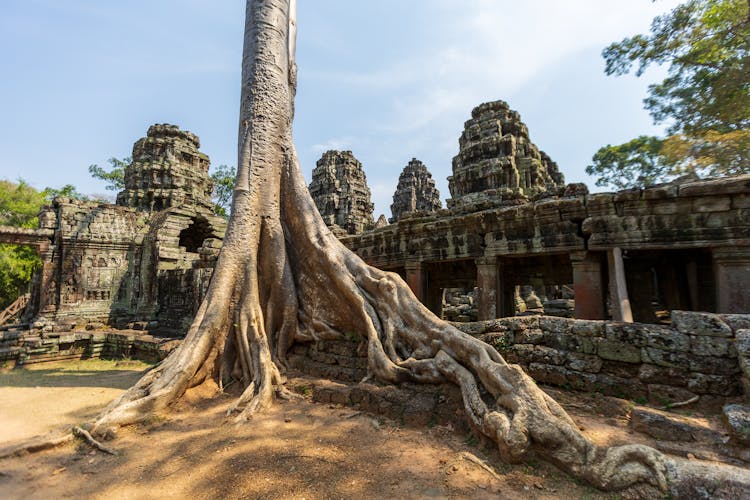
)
(706, 44)
(19, 204)
(639, 162)
(19, 207)
(224, 178)
(17, 264)
(67, 191)
(114, 176)
(704, 100)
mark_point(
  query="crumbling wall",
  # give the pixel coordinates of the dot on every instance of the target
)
(147, 259)
(695, 356)
(94, 246)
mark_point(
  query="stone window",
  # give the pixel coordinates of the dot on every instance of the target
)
(195, 234)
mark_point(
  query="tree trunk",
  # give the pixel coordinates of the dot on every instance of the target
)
(283, 277)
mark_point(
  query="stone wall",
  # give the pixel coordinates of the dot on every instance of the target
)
(21, 348)
(696, 356)
(683, 246)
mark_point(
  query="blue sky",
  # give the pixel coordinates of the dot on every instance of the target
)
(389, 79)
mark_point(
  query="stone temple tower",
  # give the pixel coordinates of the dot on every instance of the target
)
(167, 171)
(497, 161)
(415, 191)
(339, 189)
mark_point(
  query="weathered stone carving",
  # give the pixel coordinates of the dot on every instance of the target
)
(115, 264)
(415, 191)
(497, 161)
(339, 189)
(167, 171)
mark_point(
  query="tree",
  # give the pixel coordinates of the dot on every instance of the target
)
(705, 99)
(67, 191)
(282, 276)
(114, 176)
(223, 178)
(639, 162)
(19, 205)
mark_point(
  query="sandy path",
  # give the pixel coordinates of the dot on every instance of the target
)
(48, 397)
(296, 450)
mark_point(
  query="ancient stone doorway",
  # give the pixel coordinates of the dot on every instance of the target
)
(192, 237)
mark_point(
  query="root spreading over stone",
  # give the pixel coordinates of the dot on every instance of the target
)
(283, 277)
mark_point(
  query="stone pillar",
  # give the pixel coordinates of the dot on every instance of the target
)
(588, 286)
(487, 284)
(416, 278)
(48, 285)
(618, 288)
(732, 270)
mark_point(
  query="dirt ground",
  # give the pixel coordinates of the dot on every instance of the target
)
(49, 396)
(296, 450)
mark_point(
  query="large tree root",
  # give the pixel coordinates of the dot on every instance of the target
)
(283, 277)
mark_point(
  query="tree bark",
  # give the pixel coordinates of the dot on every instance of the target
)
(283, 277)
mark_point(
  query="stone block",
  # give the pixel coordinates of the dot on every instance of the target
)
(599, 204)
(548, 374)
(744, 363)
(548, 356)
(742, 342)
(584, 362)
(588, 328)
(643, 335)
(632, 194)
(521, 353)
(661, 357)
(714, 366)
(718, 385)
(583, 381)
(556, 340)
(713, 346)
(700, 323)
(712, 204)
(618, 351)
(627, 388)
(580, 343)
(620, 369)
(528, 353)
(737, 420)
(662, 425)
(740, 201)
(532, 336)
(736, 321)
(727, 185)
(653, 374)
(663, 192)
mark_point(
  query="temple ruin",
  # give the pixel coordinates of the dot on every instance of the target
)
(143, 262)
(497, 162)
(415, 191)
(339, 189)
(638, 293)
